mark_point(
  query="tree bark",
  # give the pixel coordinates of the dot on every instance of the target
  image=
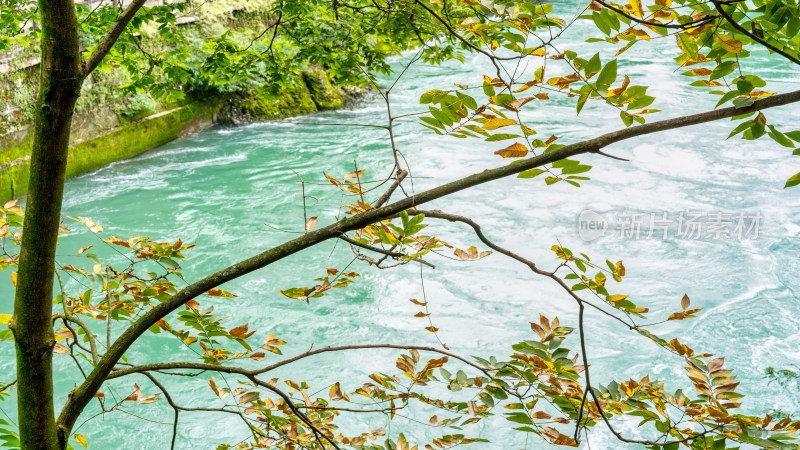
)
(59, 88)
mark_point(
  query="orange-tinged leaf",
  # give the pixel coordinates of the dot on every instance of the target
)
(515, 150)
(177, 244)
(412, 300)
(331, 271)
(620, 269)
(83, 249)
(14, 279)
(715, 364)
(526, 86)
(355, 174)
(213, 386)
(219, 293)
(241, 332)
(257, 356)
(519, 103)
(60, 349)
(615, 93)
(538, 329)
(247, 397)
(192, 304)
(702, 72)
(541, 415)
(333, 181)
(310, 223)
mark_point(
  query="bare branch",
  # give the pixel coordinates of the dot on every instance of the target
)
(401, 175)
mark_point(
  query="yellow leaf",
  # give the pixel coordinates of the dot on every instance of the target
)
(14, 279)
(730, 44)
(496, 123)
(4, 318)
(636, 6)
(617, 298)
(81, 440)
(515, 150)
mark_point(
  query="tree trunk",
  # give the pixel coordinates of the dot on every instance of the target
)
(59, 88)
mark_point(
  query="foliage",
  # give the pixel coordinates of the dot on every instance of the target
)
(138, 105)
(542, 385)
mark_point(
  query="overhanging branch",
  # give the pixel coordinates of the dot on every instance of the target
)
(81, 396)
(111, 37)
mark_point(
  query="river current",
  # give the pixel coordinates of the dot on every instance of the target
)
(228, 190)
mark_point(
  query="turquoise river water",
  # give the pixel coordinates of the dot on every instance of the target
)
(219, 188)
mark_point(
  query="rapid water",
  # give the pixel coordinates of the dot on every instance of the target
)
(219, 189)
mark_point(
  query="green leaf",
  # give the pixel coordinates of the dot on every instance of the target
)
(793, 181)
(608, 75)
(501, 137)
(530, 173)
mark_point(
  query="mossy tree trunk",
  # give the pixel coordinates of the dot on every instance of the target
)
(60, 81)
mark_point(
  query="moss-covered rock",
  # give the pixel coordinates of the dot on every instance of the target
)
(325, 94)
(254, 105)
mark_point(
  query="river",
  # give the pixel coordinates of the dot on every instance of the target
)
(228, 189)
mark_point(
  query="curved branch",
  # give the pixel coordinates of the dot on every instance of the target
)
(239, 371)
(111, 37)
(83, 394)
(395, 255)
(90, 336)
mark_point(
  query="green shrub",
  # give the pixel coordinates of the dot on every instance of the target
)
(138, 105)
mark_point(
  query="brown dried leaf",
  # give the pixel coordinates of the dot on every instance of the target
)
(192, 304)
(240, 332)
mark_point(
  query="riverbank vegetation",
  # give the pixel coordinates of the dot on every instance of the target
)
(543, 385)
